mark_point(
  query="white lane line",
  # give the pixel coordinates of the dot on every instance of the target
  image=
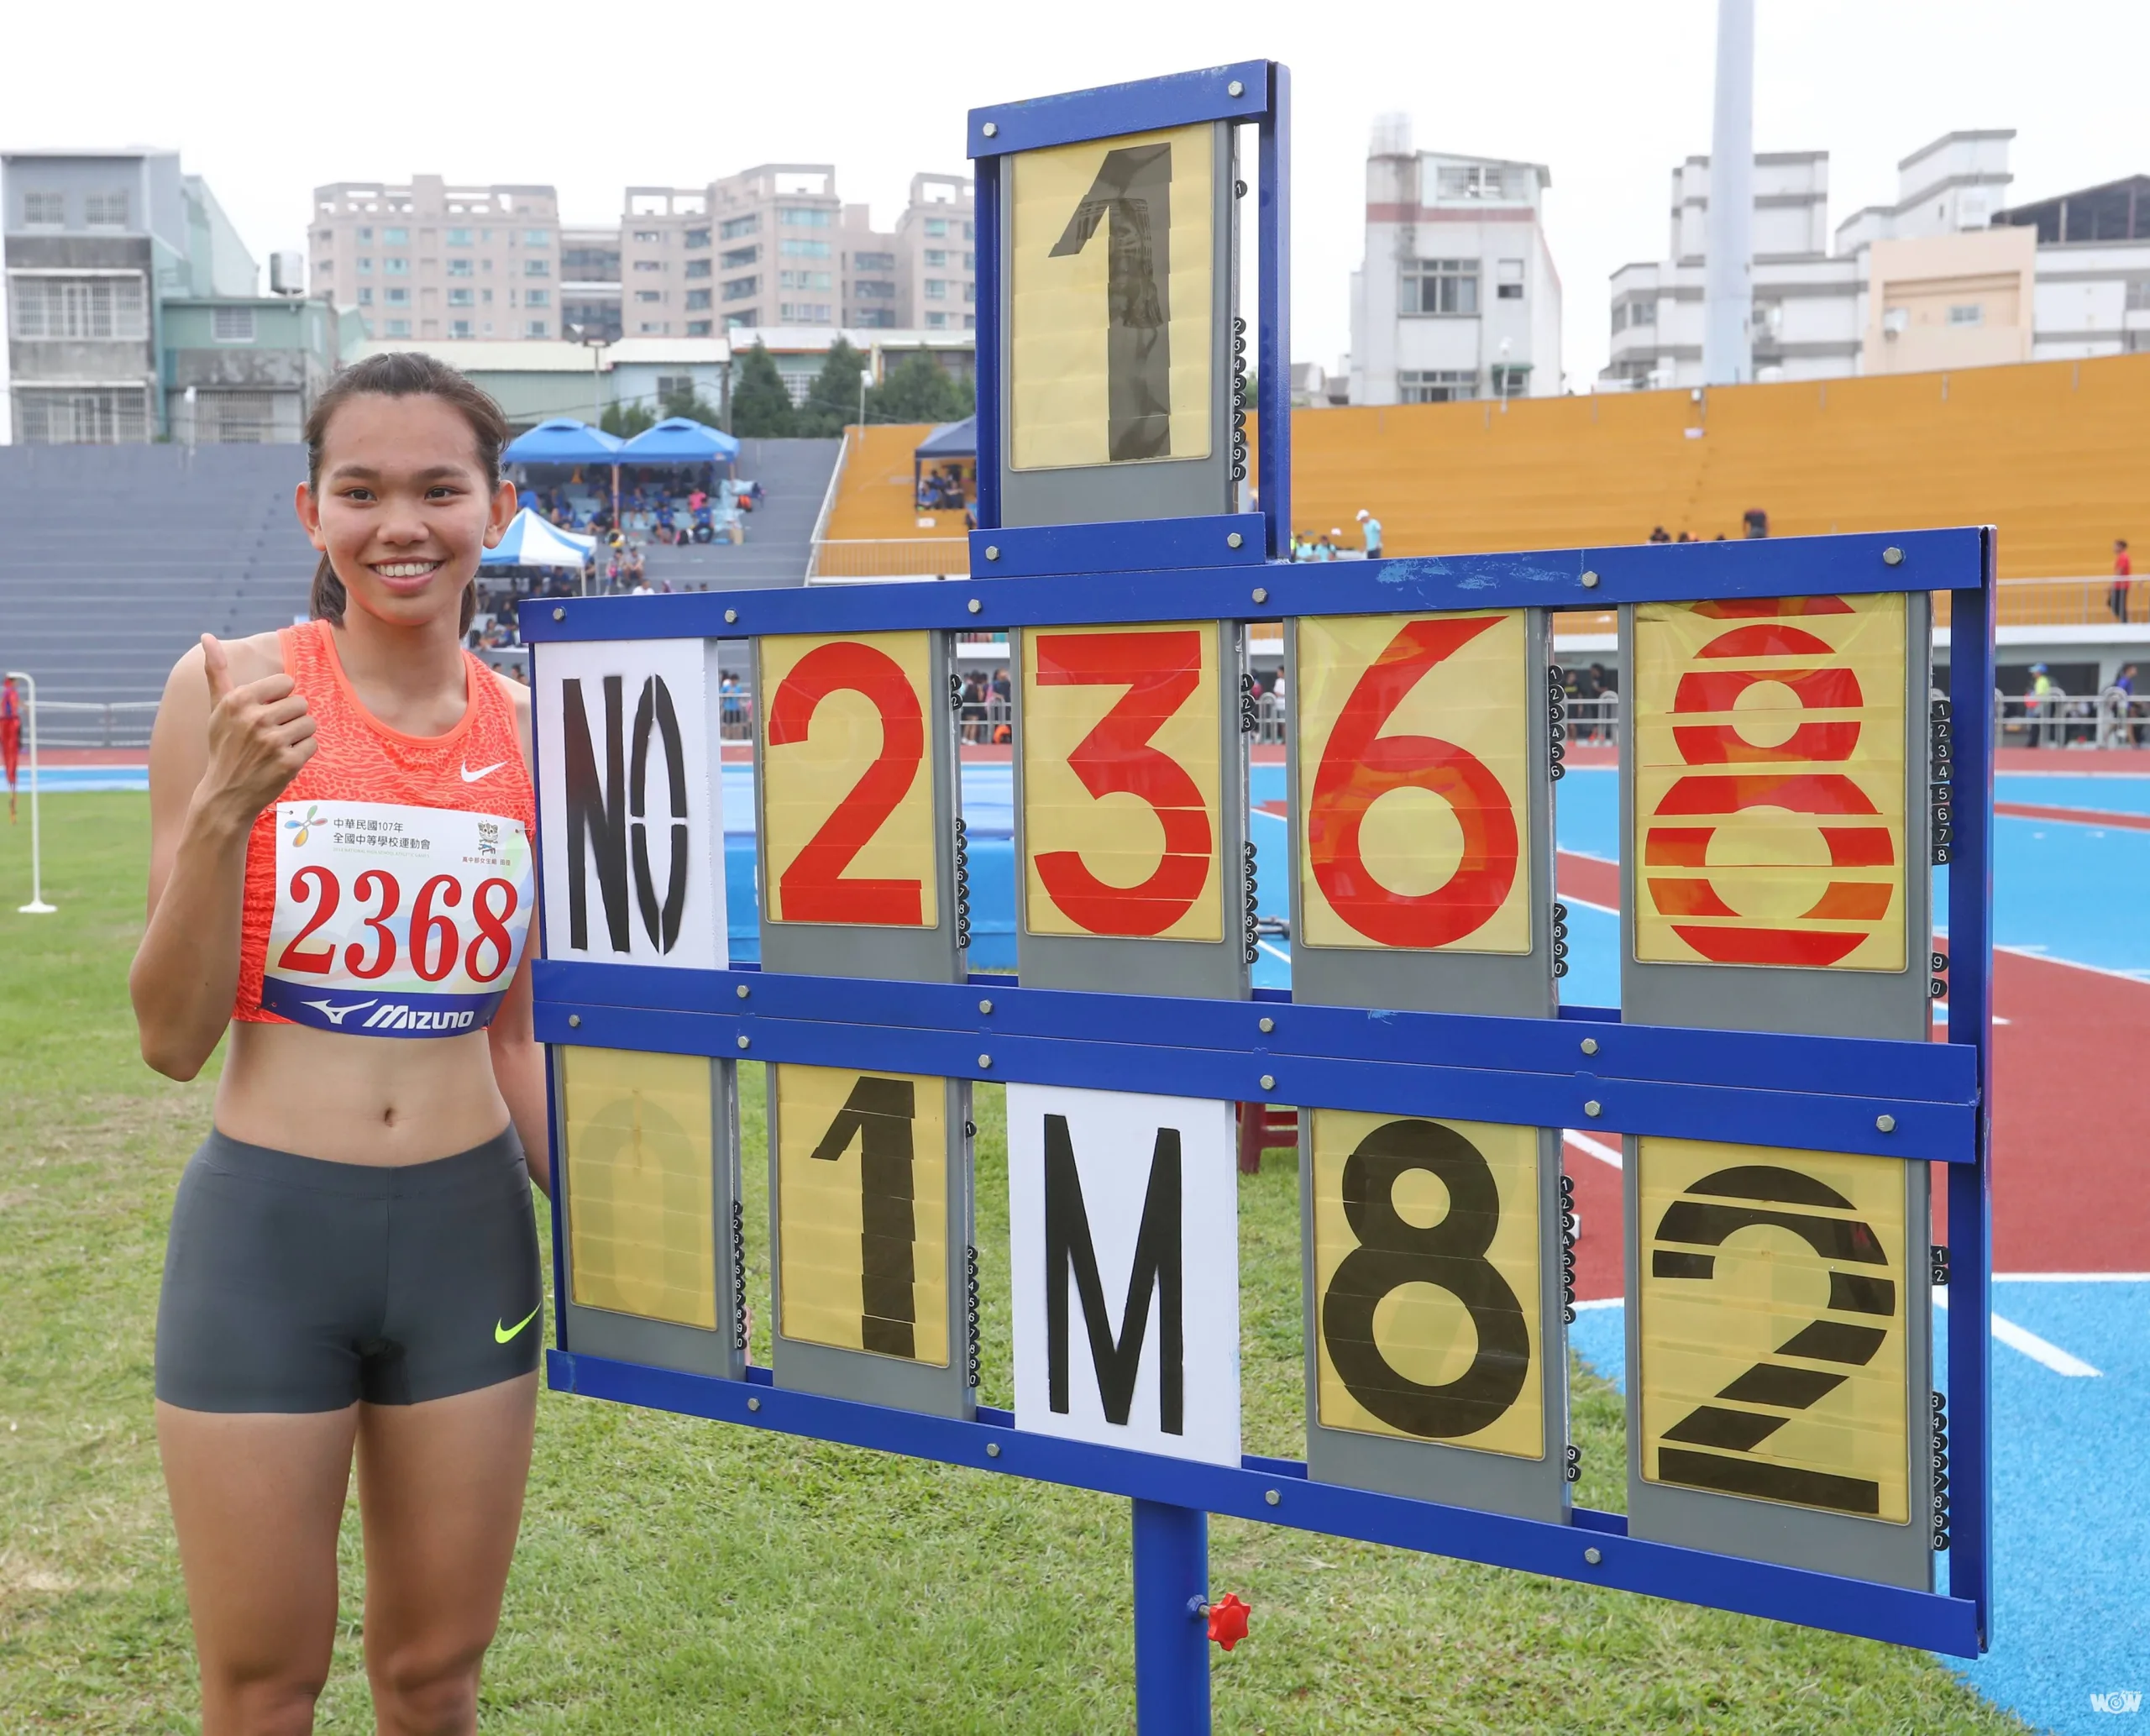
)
(2019, 1338)
(1275, 953)
(2072, 1277)
(1601, 1302)
(1594, 1148)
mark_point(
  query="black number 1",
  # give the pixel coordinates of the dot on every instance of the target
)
(879, 1114)
(1133, 189)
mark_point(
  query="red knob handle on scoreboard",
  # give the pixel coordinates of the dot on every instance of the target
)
(1228, 1620)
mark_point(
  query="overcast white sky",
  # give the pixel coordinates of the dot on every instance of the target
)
(269, 100)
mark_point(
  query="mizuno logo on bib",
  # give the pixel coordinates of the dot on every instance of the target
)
(394, 920)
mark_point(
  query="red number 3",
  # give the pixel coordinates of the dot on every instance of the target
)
(1160, 671)
(1359, 766)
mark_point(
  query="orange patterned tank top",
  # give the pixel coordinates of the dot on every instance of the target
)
(389, 888)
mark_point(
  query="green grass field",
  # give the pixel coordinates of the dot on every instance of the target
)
(682, 1576)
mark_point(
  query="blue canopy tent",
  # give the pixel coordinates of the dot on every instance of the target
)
(530, 541)
(679, 440)
(564, 441)
(950, 444)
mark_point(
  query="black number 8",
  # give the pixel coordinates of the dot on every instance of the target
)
(1450, 1255)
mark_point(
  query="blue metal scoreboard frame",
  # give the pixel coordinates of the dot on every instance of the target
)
(1917, 1101)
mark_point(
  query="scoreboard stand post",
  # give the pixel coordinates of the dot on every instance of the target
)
(1775, 1111)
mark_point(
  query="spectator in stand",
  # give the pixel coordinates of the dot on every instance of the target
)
(1657, 534)
(2040, 702)
(1370, 528)
(1003, 690)
(2123, 578)
(1582, 693)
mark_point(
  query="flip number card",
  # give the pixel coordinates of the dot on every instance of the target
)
(1414, 739)
(846, 791)
(1111, 274)
(1769, 782)
(1426, 1252)
(1122, 781)
(641, 1238)
(1771, 1329)
(631, 831)
(863, 1211)
(1123, 1215)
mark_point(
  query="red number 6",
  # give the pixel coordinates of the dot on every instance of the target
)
(1359, 766)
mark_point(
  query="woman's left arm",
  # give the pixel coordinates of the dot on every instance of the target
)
(518, 1058)
(519, 1070)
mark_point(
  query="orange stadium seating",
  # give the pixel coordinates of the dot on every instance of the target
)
(2045, 450)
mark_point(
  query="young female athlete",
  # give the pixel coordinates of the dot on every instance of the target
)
(340, 871)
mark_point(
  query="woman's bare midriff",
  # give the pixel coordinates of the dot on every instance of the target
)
(357, 1099)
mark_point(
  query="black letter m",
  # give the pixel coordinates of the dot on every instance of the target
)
(1069, 1252)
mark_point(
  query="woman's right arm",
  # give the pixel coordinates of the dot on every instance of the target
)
(219, 754)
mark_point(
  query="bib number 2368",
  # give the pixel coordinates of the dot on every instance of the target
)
(394, 920)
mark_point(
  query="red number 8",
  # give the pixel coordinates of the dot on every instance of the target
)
(492, 929)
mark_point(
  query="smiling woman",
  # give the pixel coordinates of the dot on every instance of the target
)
(341, 874)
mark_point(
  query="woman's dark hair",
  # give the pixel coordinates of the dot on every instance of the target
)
(401, 373)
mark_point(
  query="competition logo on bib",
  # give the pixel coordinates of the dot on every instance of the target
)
(394, 920)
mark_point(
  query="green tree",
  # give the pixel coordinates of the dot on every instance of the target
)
(683, 400)
(831, 405)
(626, 420)
(920, 390)
(761, 403)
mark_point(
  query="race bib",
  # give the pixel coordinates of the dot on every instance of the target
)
(393, 920)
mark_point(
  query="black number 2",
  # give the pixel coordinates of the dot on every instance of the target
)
(1450, 1255)
(1770, 1394)
(1133, 189)
(879, 1114)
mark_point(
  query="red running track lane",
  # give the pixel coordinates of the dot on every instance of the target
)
(2068, 1104)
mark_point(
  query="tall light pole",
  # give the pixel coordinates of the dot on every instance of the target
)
(1728, 279)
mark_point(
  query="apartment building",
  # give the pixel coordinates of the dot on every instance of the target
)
(1946, 276)
(936, 256)
(426, 260)
(589, 285)
(132, 310)
(1458, 296)
(773, 245)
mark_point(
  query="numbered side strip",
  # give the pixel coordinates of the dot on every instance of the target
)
(1694, 1576)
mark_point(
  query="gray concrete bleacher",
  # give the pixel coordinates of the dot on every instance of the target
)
(794, 475)
(113, 559)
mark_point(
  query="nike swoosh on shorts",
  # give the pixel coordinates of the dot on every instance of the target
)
(501, 1334)
(471, 777)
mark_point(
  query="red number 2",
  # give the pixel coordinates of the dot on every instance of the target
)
(1160, 671)
(1360, 765)
(813, 885)
(316, 962)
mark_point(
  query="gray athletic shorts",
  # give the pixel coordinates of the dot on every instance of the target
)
(293, 1284)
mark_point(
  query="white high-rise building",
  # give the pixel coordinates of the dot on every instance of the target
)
(1458, 296)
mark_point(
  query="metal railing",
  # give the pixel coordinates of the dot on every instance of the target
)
(2060, 602)
(2109, 719)
(890, 557)
(95, 723)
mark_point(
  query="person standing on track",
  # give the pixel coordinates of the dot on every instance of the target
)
(341, 822)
